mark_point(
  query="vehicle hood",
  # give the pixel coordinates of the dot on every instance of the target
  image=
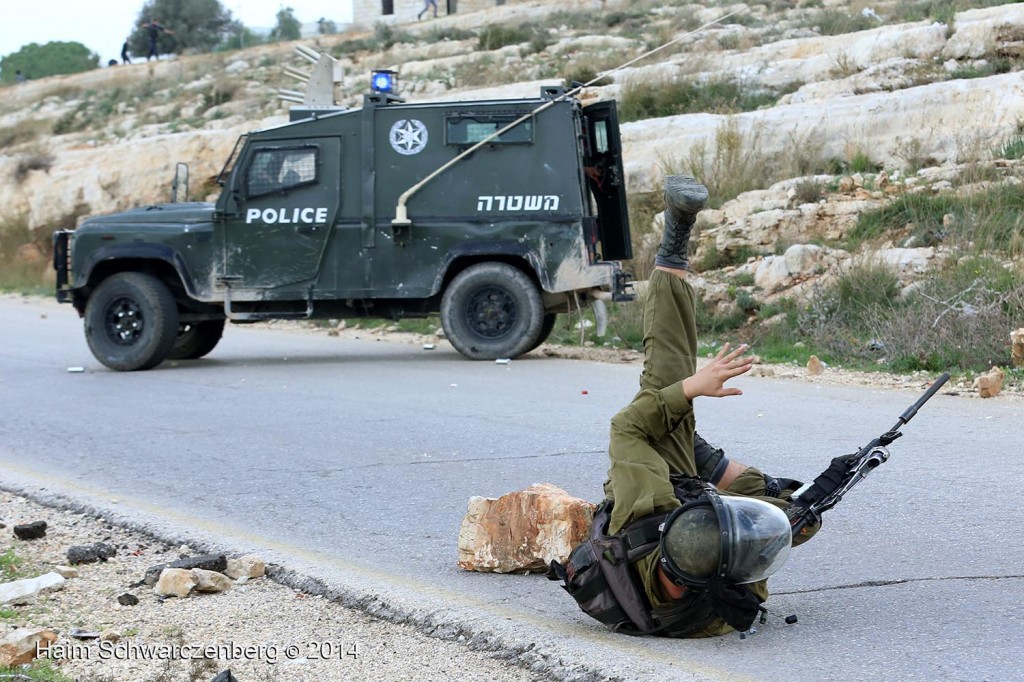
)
(178, 213)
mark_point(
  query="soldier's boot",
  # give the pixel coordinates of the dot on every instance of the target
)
(685, 197)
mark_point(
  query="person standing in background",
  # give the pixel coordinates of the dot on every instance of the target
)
(155, 29)
(426, 5)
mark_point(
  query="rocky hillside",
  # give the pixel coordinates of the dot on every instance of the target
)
(800, 115)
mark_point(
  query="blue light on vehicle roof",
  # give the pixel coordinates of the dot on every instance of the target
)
(383, 81)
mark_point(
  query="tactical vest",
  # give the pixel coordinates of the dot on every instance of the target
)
(599, 575)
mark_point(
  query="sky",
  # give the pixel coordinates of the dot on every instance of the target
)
(103, 26)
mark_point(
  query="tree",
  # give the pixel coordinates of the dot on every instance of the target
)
(288, 27)
(326, 26)
(198, 25)
(239, 36)
(52, 59)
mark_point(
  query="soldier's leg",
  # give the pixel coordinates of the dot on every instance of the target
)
(751, 482)
(670, 326)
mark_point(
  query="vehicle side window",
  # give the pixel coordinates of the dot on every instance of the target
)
(276, 170)
(468, 128)
(601, 137)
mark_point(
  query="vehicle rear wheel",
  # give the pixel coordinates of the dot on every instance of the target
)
(491, 311)
(131, 321)
(196, 339)
(545, 331)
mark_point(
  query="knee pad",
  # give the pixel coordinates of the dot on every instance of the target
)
(711, 462)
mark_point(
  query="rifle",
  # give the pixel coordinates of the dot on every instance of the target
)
(825, 492)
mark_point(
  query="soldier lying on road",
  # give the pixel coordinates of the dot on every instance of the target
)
(686, 538)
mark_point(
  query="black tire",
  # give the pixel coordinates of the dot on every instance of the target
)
(131, 321)
(491, 311)
(545, 331)
(196, 339)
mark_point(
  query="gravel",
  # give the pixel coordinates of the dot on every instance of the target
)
(261, 630)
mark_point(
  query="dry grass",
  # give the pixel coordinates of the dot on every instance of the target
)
(28, 130)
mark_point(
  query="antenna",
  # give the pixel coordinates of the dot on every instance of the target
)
(319, 83)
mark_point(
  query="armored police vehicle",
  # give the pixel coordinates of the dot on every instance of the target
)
(496, 214)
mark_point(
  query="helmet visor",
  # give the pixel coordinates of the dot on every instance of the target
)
(759, 539)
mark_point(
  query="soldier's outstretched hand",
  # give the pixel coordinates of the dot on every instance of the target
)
(710, 380)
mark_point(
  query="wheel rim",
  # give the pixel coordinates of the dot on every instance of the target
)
(492, 312)
(124, 322)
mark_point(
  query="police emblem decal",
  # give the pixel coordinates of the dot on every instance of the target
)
(408, 136)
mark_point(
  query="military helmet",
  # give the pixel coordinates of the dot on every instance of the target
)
(736, 539)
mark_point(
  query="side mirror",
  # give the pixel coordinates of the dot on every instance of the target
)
(180, 182)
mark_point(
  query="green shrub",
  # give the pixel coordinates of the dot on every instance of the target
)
(860, 162)
(809, 192)
(746, 302)
(942, 11)
(832, 22)
(743, 279)
(39, 670)
(72, 121)
(387, 36)
(712, 322)
(1013, 149)
(655, 99)
(990, 68)
(494, 37)
(437, 35)
(990, 219)
(584, 74)
(475, 73)
(9, 565)
(837, 317)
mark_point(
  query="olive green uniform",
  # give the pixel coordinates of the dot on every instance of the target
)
(652, 437)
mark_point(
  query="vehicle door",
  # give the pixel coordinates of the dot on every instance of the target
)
(607, 182)
(286, 199)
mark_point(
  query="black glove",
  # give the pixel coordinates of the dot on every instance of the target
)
(829, 480)
(734, 604)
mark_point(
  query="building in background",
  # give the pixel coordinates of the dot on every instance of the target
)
(369, 12)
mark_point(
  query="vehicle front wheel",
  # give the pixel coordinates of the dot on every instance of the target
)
(131, 321)
(491, 311)
(545, 331)
(196, 339)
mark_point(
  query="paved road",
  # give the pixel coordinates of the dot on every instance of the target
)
(351, 461)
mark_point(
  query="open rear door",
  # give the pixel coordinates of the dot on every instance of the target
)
(606, 180)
